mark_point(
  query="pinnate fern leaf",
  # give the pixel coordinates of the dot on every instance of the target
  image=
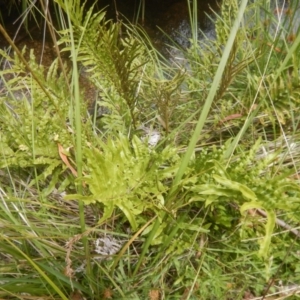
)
(127, 175)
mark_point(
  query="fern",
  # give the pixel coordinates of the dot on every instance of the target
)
(246, 182)
(114, 63)
(32, 123)
(129, 177)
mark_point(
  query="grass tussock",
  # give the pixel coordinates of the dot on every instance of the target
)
(178, 181)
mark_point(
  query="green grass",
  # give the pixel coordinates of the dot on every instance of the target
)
(88, 208)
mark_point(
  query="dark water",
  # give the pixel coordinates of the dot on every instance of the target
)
(164, 18)
(168, 16)
(161, 19)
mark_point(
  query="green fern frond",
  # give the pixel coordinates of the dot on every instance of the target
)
(247, 182)
(128, 176)
(32, 124)
(113, 62)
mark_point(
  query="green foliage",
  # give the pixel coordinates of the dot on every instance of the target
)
(224, 25)
(188, 207)
(132, 89)
(251, 75)
(281, 95)
(114, 63)
(128, 176)
(248, 183)
(35, 119)
(30, 140)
